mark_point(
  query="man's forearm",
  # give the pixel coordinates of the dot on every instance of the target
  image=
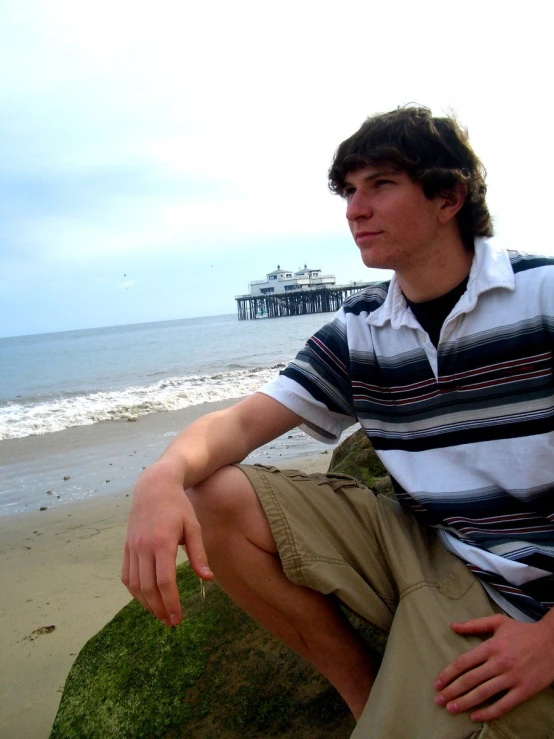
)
(222, 438)
(202, 448)
(162, 516)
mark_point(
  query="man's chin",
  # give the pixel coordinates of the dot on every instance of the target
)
(373, 260)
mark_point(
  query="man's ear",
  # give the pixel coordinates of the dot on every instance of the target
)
(452, 203)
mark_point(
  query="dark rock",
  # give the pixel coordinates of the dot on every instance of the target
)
(66, 477)
(218, 674)
(356, 457)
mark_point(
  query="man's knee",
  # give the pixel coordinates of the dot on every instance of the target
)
(226, 504)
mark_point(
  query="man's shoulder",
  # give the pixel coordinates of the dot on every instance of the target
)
(368, 300)
(522, 261)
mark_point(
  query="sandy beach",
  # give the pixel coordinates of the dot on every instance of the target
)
(60, 573)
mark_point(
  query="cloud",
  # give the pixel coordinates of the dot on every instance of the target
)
(177, 134)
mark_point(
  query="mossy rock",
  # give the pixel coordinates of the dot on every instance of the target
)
(218, 675)
(356, 457)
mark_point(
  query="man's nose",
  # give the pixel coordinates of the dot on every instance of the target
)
(359, 206)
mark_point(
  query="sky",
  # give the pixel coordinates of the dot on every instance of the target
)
(156, 157)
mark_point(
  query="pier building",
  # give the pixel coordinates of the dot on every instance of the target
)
(288, 293)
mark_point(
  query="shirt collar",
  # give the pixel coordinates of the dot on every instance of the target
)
(491, 268)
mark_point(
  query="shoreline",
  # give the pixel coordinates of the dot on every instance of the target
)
(88, 462)
(61, 568)
(84, 462)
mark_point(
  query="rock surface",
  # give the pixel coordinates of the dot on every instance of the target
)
(218, 675)
(356, 457)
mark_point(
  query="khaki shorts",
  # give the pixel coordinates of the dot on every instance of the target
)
(339, 538)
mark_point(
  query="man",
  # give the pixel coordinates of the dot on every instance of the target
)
(449, 369)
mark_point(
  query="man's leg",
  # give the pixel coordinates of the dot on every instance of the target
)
(243, 556)
(335, 536)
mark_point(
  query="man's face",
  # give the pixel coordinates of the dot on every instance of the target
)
(394, 225)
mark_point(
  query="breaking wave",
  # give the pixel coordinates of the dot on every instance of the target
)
(31, 417)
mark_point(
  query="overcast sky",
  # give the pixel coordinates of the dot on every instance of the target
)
(157, 156)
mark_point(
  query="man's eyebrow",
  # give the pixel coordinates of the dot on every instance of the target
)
(374, 176)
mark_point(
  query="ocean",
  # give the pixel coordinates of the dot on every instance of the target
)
(51, 382)
(54, 385)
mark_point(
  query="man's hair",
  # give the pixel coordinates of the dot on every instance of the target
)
(434, 152)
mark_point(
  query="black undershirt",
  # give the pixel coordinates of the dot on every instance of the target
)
(432, 314)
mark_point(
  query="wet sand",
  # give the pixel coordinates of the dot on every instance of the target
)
(60, 568)
(100, 460)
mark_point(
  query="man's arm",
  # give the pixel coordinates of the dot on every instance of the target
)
(514, 664)
(162, 516)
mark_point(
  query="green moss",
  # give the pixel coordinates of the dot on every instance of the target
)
(218, 675)
(356, 457)
(131, 675)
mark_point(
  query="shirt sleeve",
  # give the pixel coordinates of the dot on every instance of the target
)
(316, 384)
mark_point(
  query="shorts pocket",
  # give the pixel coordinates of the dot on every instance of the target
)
(266, 467)
(338, 481)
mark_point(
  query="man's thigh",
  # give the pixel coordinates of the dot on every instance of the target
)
(337, 537)
(420, 644)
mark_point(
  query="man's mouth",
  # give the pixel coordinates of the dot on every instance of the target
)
(365, 237)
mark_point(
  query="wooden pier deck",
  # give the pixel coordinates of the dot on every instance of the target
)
(295, 302)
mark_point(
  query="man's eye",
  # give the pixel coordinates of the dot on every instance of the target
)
(348, 192)
(378, 183)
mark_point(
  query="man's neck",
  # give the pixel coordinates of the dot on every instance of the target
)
(427, 281)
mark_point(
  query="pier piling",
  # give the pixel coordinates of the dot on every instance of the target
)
(295, 303)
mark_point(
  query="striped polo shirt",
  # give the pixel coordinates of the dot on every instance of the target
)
(466, 429)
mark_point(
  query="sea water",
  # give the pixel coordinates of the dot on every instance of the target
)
(58, 390)
(50, 382)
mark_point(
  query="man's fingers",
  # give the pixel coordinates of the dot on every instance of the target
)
(478, 695)
(505, 669)
(500, 707)
(149, 587)
(196, 552)
(152, 581)
(166, 580)
(125, 566)
(146, 587)
(466, 661)
(465, 683)
(484, 625)
(132, 579)
(148, 569)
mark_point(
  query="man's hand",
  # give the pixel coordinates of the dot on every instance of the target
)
(515, 663)
(161, 518)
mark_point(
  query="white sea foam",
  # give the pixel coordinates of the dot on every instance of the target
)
(19, 419)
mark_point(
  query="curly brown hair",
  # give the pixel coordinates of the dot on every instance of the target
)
(432, 151)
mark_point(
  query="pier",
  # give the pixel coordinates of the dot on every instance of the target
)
(296, 302)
